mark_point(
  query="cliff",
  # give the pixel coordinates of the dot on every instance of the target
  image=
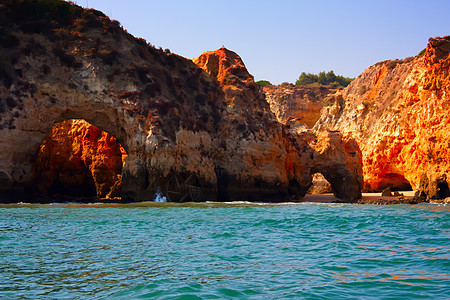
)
(296, 105)
(397, 111)
(251, 151)
(273, 157)
(61, 62)
(191, 133)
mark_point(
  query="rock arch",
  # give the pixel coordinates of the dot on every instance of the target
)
(169, 114)
(33, 123)
(79, 160)
(340, 162)
(84, 66)
(343, 182)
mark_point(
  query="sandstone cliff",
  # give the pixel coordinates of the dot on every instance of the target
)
(251, 153)
(191, 133)
(398, 112)
(272, 157)
(295, 105)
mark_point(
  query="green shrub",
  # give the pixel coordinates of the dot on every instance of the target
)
(263, 82)
(42, 15)
(307, 78)
(323, 78)
(334, 84)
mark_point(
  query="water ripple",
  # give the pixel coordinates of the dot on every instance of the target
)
(224, 251)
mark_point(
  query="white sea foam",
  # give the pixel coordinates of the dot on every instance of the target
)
(159, 197)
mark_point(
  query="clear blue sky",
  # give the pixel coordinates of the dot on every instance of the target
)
(279, 39)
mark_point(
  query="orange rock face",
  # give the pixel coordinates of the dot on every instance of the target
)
(256, 157)
(79, 159)
(220, 63)
(251, 151)
(265, 159)
(297, 105)
(398, 111)
(320, 185)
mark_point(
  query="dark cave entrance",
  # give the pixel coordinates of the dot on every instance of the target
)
(78, 160)
(442, 189)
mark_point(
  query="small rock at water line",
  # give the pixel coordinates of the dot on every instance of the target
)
(387, 192)
(441, 201)
(397, 194)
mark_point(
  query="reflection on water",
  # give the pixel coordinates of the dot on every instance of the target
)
(402, 277)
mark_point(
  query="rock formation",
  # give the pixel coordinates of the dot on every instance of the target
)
(61, 62)
(293, 104)
(191, 133)
(79, 159)
(397, 111)
(339, 161)
(319, 185)
(251, 153)
(273, 159)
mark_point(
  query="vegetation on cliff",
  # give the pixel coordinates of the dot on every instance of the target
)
(44, 16)
(323, 78)
(263, 82)
(187, 134)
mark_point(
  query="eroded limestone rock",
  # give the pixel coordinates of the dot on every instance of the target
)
(80, 65)
(319, 185)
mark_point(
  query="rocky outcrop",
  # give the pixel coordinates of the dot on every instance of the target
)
(272, 157)
(433, 185)
(389, 201)
(294, 105)
(191, 133)
(340, 162)
(250, 151)
(62, 62)
(397, 111)
(80, 160)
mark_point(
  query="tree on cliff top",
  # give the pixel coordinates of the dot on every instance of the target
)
(324, 79)
(263, 82)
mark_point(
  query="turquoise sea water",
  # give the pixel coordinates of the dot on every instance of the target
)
(224, 251)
